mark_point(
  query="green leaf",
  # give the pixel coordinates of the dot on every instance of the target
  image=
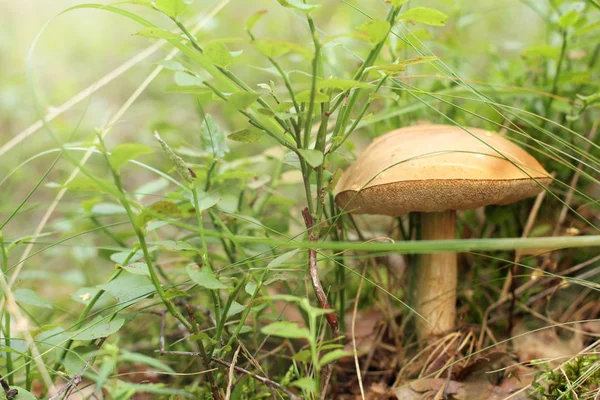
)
(588, 28)
(235, 308)
(333, 356)
(84, 295)
(138, 268)
(313, 157)
(374, 31)
(144, 359)
(206, 200)
(157, 210)
(401, 66)
(195, 90)
(248, 135)
(568, 19)
(282, 258)
(172, 8)
(254, 18)
(127, 151)
(205, 277)
(276, 48)
(342, 84)
(286, 329)
(171, 65)
(218, 54)
(250, 288)
(184, 79)
(174, 293)
(299, 5)
(23, 394)
(304, 97)
(306, 383)
(543, 51)
(243, 100)
(28, 296)
(99, 328)
(128, 287)
(396, 3)
(157, 33)
(85, 184)
(424, 15)
(213, 137)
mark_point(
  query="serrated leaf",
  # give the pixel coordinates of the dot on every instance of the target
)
(28, 296)
(254, 18)
(286, 329)
(568, 19)
(304, 97)
(282, 258)
(314, 158)
(333, 356)
(99, 328)
(374, 31)
(213, 138)
(424, 15)
(172, 8)
(299, 5)
(242, 100)
(157, 33)
(127, 151)
(248, 135)
(276, 48)
(343, 84)
(218, 54)
(205, 277)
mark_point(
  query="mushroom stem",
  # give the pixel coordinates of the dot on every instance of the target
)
(435, 293)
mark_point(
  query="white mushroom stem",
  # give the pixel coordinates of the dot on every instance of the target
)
(435, 291)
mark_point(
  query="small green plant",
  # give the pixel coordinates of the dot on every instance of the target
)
(577, 379)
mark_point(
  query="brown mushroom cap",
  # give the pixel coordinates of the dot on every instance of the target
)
(431, 168)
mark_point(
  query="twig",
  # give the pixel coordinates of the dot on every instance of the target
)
(78, 378)
(314, 276)
(259, 378)
(230, 376)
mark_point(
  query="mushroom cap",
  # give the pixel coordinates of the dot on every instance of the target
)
(432, 168)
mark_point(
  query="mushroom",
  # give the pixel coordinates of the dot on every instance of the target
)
(436, 170)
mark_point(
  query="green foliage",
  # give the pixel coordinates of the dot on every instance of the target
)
(177, 271)
(576, 379)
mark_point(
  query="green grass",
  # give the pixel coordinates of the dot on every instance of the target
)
(172, 218)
